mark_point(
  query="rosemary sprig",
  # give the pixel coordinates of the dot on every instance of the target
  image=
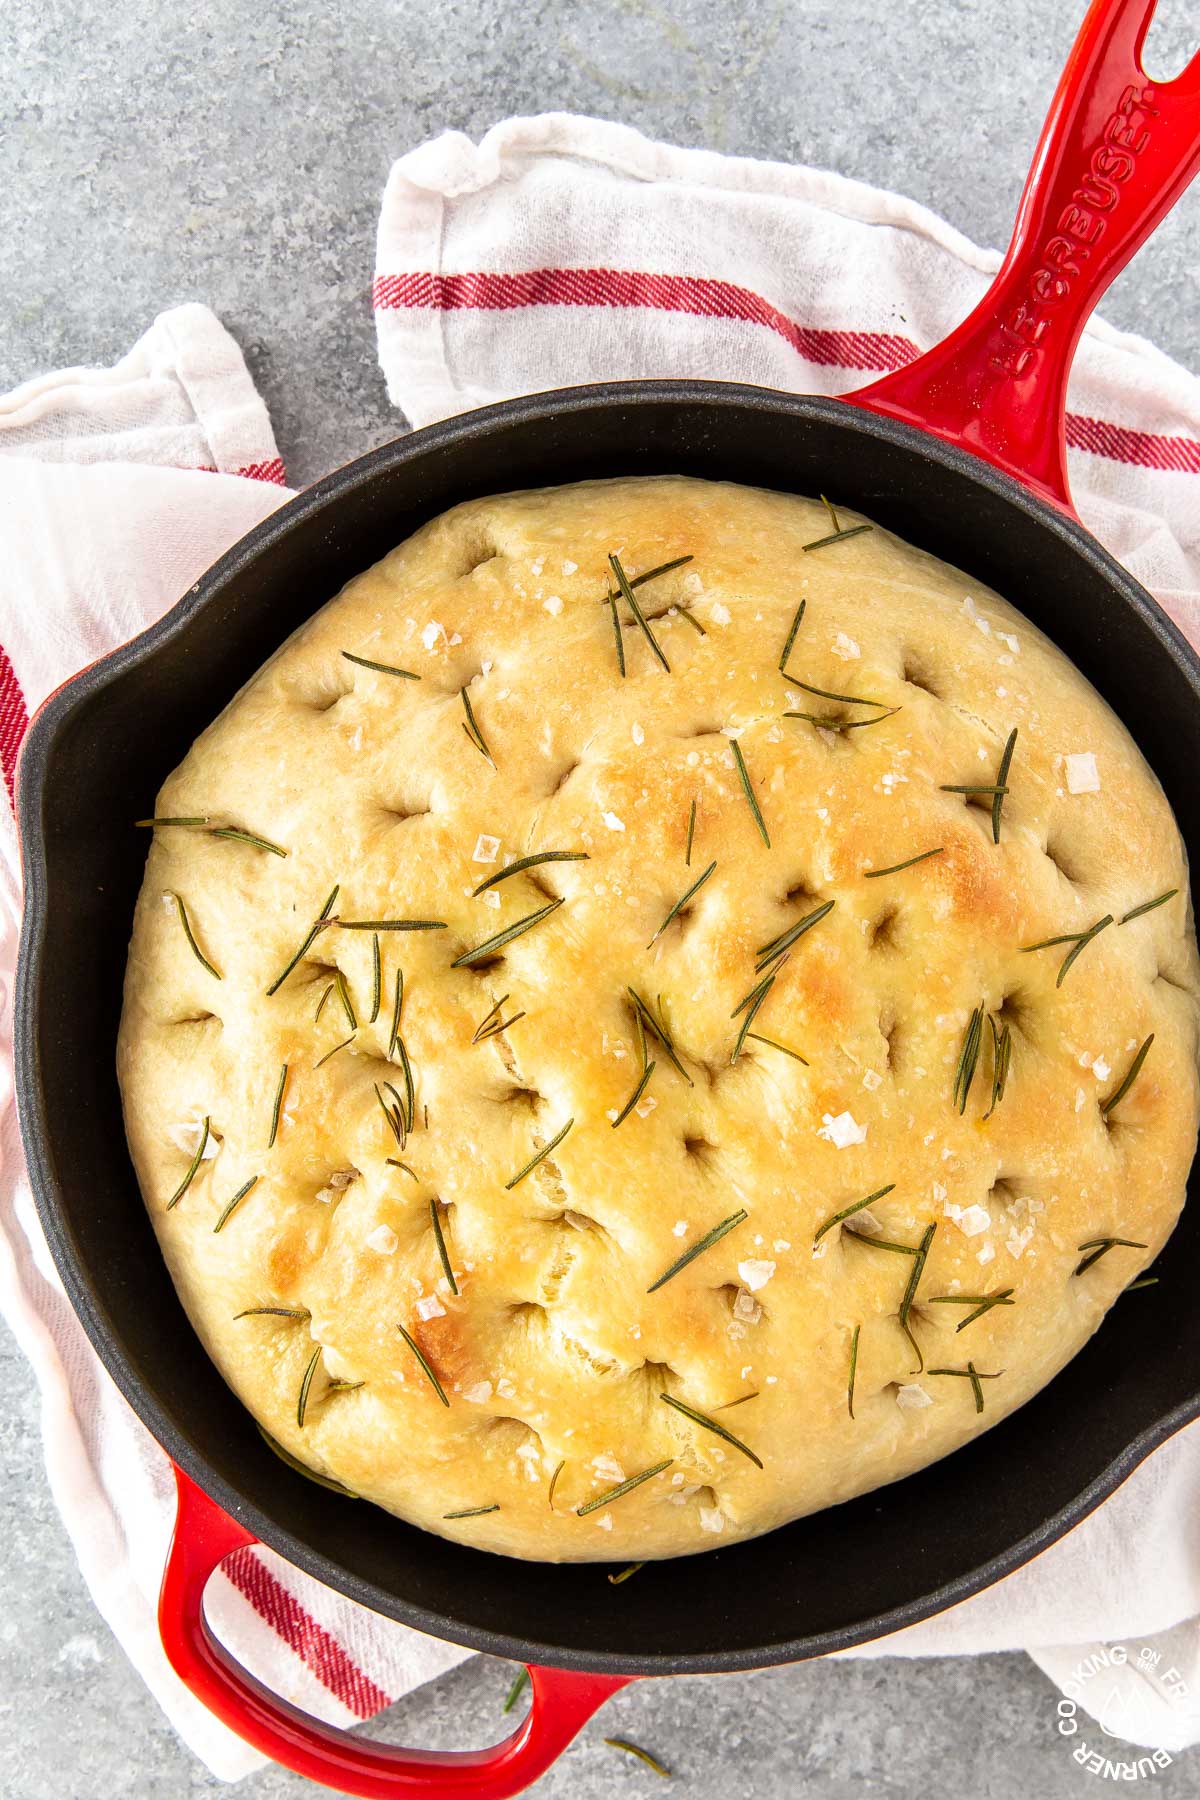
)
(343, 994)
(530, 862)
(473, 1512)
(754, 1037)
(1147, 906)
(376, 978)
(691, 833)
(1127, 1081)
(910, 1293)
(516, 1690)
(848, 1212)
(853, 1370)
(501, 938)
(652, 574)
(275, 1312)
(645, 1020)
(757, 1001)
(305, 1385)
(471, 727)
(975, 1376)
(235, 1202)
(651, 1762)
(1001, 1060)
(397, 1005)
(277, 1108)
(791, 636)
(982, 1303)
(539, 1156)
(1002, 783)
(329, 1054)
(639, 1090)
(622, 581)
(553, 1484)
(622, 1488)
(895, 868)
(681, 903)
(826, 722)
(381, 668)
(317, 927)
(1101, 1246)
(768, 952)
(390, 924)
(192, 1167)
(439, 1238)
(1079, 940)
(426, 1365)
(703, 1420)
(190, 935)
(747, 789)
(968, 1058)
(492, 1025)
(624, 1574)
(705, 1243)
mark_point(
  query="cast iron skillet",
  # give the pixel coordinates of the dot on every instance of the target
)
(963, 454)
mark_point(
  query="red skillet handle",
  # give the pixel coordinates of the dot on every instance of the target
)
(1115, 153)
(204, 1535)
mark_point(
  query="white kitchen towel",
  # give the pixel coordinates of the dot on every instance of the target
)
(557, 250)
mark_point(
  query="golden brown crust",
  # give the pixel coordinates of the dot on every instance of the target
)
(554, 1351)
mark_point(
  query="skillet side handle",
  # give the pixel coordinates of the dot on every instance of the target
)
(1116, 152)
(204, 1535)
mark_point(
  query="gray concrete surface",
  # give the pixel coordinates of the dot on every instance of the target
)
(234, 152)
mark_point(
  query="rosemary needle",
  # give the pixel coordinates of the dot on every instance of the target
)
(278, 1107)
(758, 1000)
(644, 1018)
(331, 1053)
(651, 1762)
(1101, 1246)
(1131, 1075)
(426, 1365)
(832, 724)
(473, 1512)
(848, 1212)
(968, 1058)
(317, 926)
(975, 1376)
(299, 1468)
(397, 1004)
(236, 1201)
(836, 537)
(553, 1484)
(982, 1303)
(472, 730)
(1144, 1281)
(636, 1095)
(895, 868)
(391, 924)
(827, 694)
(436, 1222)
(652, 574)
(681, 903)
(1147, 906)
(705, 1243)
(394, 1114)
(381, 668)
(622, 1488)
(910, 1292)
(624, 1574)
(197, 952)
(539, 1156)
(1001, 783)
(754, 1037)
(192, 1167)
(616, 625)
(702, 1419)
(1001, 1059)
(492, 944)
(305, 1385)
(853, 1368)
(791, 637)
(691, 832)
(516, 1690)
(395, 1163)
(530, 862)
(237, 836)
(622, 581)
(343, 994)
(748, 790)
(275, 1312)
(787, 938)
(376, 978)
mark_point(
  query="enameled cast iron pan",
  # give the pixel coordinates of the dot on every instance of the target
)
(961, 453)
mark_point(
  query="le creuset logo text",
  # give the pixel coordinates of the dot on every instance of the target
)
(1110, 1709)
(1081, 225)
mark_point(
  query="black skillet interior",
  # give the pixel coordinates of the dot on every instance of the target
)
(93, 763)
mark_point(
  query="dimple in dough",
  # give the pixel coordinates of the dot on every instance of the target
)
(554, 1354)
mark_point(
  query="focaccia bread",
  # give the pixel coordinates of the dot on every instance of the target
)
(502, 1194)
